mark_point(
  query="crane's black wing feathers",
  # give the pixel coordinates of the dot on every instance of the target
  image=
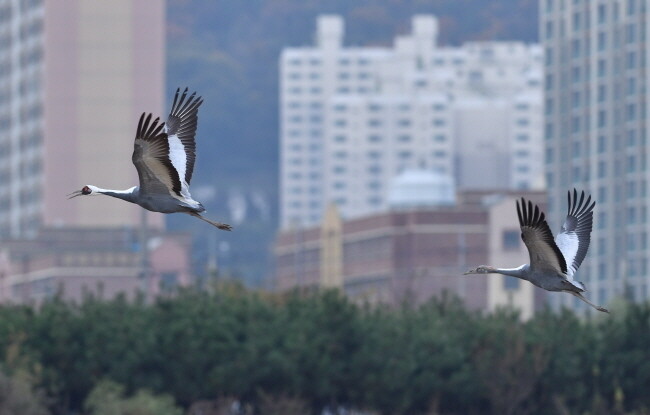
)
(543, 251)
(151, 158)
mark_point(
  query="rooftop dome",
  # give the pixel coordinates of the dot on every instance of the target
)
(421, 188)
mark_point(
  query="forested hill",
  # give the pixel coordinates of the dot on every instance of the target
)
(228, 50)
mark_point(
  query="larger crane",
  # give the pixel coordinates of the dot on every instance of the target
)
(163, 155)
(553, 263)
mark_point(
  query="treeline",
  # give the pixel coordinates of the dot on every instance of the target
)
(306, 353)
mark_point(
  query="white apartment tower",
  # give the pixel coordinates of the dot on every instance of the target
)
(353, 118)
(74, 78)
(596, 130)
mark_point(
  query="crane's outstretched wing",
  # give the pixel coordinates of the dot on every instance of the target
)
(573, 239)
(181, 128)
(544, 253)
(151, 158)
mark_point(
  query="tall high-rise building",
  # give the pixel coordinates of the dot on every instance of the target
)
(353, 118)
(596, 112)
(74, 78)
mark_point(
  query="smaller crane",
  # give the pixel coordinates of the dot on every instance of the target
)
(553, 263)
(163, 155)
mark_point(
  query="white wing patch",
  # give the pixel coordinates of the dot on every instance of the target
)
(568, 243)
(179, 160)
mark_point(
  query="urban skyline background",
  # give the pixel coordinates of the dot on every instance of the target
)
(340, 140)
(231, 53)
(428, 91)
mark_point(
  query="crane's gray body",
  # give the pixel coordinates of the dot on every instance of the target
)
(547, 279)
(156, 202)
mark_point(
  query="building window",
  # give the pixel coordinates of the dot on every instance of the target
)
(631, 86)
(602, 169)
(602, 15)
(631, 33)
(602, 144)
(602, 118)
(631, 112)
(374, 138)
(510, 240)
(602, 68)
(549, 155)
(602, 220)
(168, 281)
(548, 131)
(404, 138)
(602, 41)
(602, 93)
(374, 107)
(510, 283)
(576, 21)
(549, 30)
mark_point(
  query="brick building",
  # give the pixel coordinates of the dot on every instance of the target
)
(413, 253)
(73, 262)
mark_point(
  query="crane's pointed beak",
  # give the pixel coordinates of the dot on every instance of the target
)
(74, 194)
(471, 271)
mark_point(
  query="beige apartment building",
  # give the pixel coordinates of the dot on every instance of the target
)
(74, 78)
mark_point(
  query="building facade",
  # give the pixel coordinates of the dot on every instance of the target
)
(411, 254)
(596, 112)
(70, 98)
(352, 118)
(75, 262)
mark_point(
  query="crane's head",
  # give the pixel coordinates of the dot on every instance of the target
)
(481, 269)
(88, 190)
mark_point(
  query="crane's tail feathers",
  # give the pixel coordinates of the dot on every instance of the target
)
(222, 226)
(597, 307)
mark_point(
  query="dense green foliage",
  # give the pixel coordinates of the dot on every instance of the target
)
(321, 350)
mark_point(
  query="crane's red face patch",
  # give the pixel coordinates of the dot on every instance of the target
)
(86, 190)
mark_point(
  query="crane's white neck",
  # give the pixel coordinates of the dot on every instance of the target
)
(127, 194)
(518, 272)
(99, 190)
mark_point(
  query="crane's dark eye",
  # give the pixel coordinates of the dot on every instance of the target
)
(86, 190)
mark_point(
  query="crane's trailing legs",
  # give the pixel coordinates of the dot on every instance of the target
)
(222, 226)
(580, 296)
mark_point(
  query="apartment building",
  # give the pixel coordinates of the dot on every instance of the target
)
(353, 118)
